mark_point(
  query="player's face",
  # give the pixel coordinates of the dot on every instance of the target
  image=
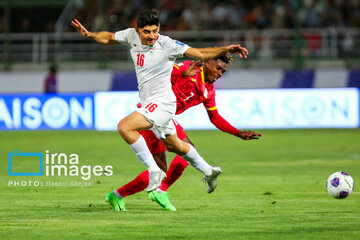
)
(213, 70)
(148, 34)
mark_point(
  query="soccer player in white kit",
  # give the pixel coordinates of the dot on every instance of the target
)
(153, 56)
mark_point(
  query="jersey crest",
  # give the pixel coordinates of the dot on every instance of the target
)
(180, 43)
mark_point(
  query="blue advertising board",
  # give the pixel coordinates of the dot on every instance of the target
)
(264, 108)
(46, 111)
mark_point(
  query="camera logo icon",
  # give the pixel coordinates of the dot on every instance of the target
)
(26, 159)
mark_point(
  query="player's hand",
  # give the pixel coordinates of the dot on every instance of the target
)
(80, 28)
(241, 51)
(193, 69)
(249, 135)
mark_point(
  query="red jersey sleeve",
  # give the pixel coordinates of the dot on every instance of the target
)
(217, 119)
(178, 68)
(221, 123)
(210, 103)
(176, 72)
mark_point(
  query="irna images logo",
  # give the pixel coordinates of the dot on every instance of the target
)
(54, 164)
(15, 154)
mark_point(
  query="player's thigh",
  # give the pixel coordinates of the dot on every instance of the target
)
(134, 121)
(174, 144)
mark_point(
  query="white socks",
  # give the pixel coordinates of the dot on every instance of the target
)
(197, 161)
(144, 154)
(193, 157)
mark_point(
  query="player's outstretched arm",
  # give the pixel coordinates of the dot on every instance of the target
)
(107, 38)
(215, 52)
(225, 126)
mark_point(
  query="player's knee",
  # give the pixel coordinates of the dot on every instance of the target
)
(127, 133)
(122, 129)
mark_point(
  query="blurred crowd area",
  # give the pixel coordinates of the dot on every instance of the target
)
(185, 15)
(226, 15)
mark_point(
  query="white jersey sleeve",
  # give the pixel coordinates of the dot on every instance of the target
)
(125, 36)
(175, 48)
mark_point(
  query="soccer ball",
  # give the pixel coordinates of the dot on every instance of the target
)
(340, 185)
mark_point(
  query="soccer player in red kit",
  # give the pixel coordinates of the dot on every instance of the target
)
(192, 84)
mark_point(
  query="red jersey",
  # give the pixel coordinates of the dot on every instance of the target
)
(191, 91)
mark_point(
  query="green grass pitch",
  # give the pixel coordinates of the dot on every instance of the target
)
(273, 188)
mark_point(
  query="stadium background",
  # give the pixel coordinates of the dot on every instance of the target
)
(292, 44)
(303, 71)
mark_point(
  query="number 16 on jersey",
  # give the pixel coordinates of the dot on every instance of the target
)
(140, 59)
(151, 107)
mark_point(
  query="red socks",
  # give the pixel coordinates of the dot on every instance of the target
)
(176, 169)
(136, 185)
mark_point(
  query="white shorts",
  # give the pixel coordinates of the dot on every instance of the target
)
(159, 115)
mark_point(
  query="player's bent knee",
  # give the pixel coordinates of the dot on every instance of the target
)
(122, 129)
(126, 131)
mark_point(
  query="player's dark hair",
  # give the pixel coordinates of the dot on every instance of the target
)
(227, 58)
(148, 18)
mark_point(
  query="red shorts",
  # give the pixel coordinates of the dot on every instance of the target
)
(154, 144)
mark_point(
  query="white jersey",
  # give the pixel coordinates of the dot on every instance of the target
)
(153, 64)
